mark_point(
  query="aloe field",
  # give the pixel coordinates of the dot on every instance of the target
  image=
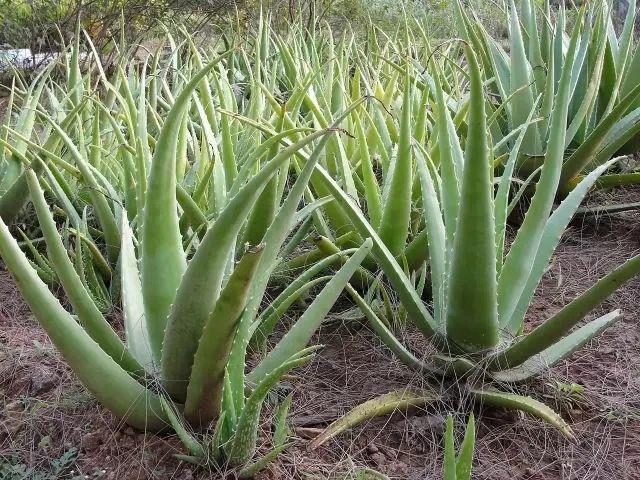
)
(290, 251)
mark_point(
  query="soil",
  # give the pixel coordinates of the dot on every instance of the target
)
(46, 413)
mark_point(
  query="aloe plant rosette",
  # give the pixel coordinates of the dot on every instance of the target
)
(480, 292)
(187, 319)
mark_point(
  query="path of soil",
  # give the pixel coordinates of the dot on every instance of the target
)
(46, 413)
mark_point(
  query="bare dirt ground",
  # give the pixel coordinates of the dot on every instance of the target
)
(48, 422)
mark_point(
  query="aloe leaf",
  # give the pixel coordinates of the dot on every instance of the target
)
(583, 156)
(557, 326)
(282, 431)
(504, 187)
(521, 82)
(372, 189)
(558, 351)
(273, 240)
(464, 461)
(204, 393)
(471, 315)
(396, 213)
(399, 400)
(388, 338)
(436, 245)
(243, 444)
(12, 201)
(200, 286)
(88, 313)
(163, 259)
(526, 404)
(449, 464)
(410, 299)
(263, 327)
(262, 462)
(302, 331)
(553, 231)
(99, 373)
(193, 446)
(517, 264)
(104, 213)
(135, 326)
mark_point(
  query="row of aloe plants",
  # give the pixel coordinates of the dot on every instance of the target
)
(174, 186)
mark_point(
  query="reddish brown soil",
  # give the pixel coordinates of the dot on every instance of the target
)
(42, 399)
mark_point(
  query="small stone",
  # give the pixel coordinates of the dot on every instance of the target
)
(91, 441)
(379, 459)
(371, 448)
(42, 381)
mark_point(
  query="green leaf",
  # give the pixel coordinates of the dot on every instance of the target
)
(243, 444)
(163, 259)
(517, 264)
(396, 212)
(383, 405)
(449, 465)
(135, 326)
(193, 446)
(302, 331)
(526, 404)
(464, 462)
(472, 316)
(204, 392)
(558, 351)
(98, 372)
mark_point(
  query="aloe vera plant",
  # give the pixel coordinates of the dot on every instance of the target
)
(604, 94)
(480, 292)
(189, 301)
(458, 467)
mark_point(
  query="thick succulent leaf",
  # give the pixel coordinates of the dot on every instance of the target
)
(435, 231)
(282, 432)
(521, 87)
(243, 444)
(135, 327)
(302, 331)
(262, 328)
(114, 388)
(501, 202)
(163, 259)
(558, 351)
(451, 164)
(471, 315)
(101, 205)
(12, 201)
(399, 400)
(526, 404)
(396, 212)
(584, 155)
(204, 393)
(193, 446)
(409, 297)
(260, 464)
(557, 326)
(273, 240)
(200, 286)
(517, 264)
(464, 461)
(449, 464)
(88, 313)
(551, 237)
(388, 338)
